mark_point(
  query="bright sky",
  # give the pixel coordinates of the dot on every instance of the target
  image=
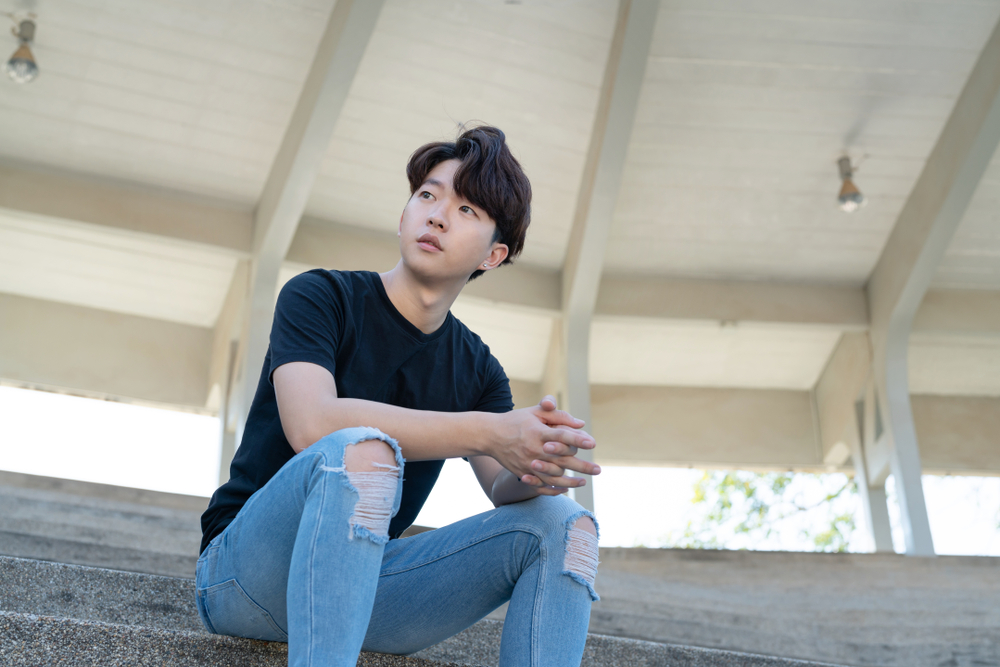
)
(56, 435)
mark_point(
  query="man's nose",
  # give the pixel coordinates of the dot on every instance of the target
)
(438, 220)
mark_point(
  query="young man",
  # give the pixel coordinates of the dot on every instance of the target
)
(369, 373)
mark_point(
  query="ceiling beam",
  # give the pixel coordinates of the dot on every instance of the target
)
(837, 391)
(226, 227)
(104, 354)
(823, 306)
(596, 199)
(917, 244)
(293, 173)
(128, 207)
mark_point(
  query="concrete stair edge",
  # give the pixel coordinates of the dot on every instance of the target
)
(102, 601)
(27, 640)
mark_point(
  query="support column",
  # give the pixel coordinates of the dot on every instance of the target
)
(918, 241)
(596, 200)
(871, 485)
(225, 348)
(293, 174)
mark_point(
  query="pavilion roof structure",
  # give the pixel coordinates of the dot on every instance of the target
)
(732, 288)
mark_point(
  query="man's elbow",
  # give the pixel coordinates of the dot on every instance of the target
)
(304, 434)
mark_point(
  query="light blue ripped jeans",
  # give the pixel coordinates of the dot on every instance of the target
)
(303, 563)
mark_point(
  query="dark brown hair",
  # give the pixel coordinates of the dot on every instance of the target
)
(488, 176)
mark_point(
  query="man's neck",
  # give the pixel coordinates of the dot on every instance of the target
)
(424, 306)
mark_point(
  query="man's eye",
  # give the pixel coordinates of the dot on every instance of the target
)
(425, 195)
(467, 209)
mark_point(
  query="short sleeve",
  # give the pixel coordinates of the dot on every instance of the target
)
(308, 322)
(496, 396)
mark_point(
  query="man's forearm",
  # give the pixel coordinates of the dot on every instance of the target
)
(508, 489)
(422, 435)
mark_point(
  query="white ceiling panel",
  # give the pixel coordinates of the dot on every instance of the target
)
(189, 96)
(92, 266)
(533, 69)
(972, 260)
(954, 365)
(744, 110)
(634, 351)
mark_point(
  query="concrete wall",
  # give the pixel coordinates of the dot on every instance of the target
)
(958, 434)
(704, 427)
(97, 351)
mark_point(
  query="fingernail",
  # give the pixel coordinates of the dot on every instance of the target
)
(549, 448)
(537, 465)
(597, 470)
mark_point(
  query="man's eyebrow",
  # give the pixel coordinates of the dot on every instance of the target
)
(434, 181)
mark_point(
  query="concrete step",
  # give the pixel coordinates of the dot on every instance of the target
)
(28, 640)
(53, 613)
(68, 521)
(855, 609)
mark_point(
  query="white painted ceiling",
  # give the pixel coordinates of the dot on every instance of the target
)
(955, 365)
(99, 267)
(730, 172)
(183, 95)
(746, 107)
(533, 69)
(973, 257)
(705, 354)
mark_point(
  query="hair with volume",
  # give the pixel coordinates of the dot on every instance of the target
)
(489, 176)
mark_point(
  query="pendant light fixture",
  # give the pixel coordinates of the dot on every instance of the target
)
(21, 67)
(850, 197)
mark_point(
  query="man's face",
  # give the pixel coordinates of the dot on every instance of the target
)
(444, 236)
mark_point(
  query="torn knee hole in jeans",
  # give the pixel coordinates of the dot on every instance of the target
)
(581, 558)
(376, 494)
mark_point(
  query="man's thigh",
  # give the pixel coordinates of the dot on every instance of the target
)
(255, 551)
(436, 584)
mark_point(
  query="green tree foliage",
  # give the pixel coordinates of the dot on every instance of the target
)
(743, 509)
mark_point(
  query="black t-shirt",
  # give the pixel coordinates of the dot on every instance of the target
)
(345, 322)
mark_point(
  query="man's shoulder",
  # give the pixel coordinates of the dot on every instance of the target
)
(330, 282)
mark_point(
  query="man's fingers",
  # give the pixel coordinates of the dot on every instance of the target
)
(575, 464)
(559, 449)
(547, 468)
(561, 418)
(573, 438)
(548, 403)
(563, 481)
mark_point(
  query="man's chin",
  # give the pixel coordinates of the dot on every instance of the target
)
(435, 273)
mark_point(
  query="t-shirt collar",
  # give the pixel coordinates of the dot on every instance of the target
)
(398, 317)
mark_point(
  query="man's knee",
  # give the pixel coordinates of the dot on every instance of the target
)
(587, 524)
(370, 455)
(582, 555)
(372, 470)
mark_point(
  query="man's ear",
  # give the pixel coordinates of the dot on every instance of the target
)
(399, 231)
(497, 255)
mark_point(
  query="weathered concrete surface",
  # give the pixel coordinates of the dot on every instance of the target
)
(859, 609)
(100, 525)
(30, 641)
(52, 613)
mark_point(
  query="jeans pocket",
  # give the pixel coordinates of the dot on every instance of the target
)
(230, 611)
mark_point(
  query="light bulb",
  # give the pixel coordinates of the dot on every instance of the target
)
(21, 67)
(850, 198)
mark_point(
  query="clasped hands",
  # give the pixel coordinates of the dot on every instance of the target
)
(544, 447)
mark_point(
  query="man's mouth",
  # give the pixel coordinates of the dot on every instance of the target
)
(429, 242)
